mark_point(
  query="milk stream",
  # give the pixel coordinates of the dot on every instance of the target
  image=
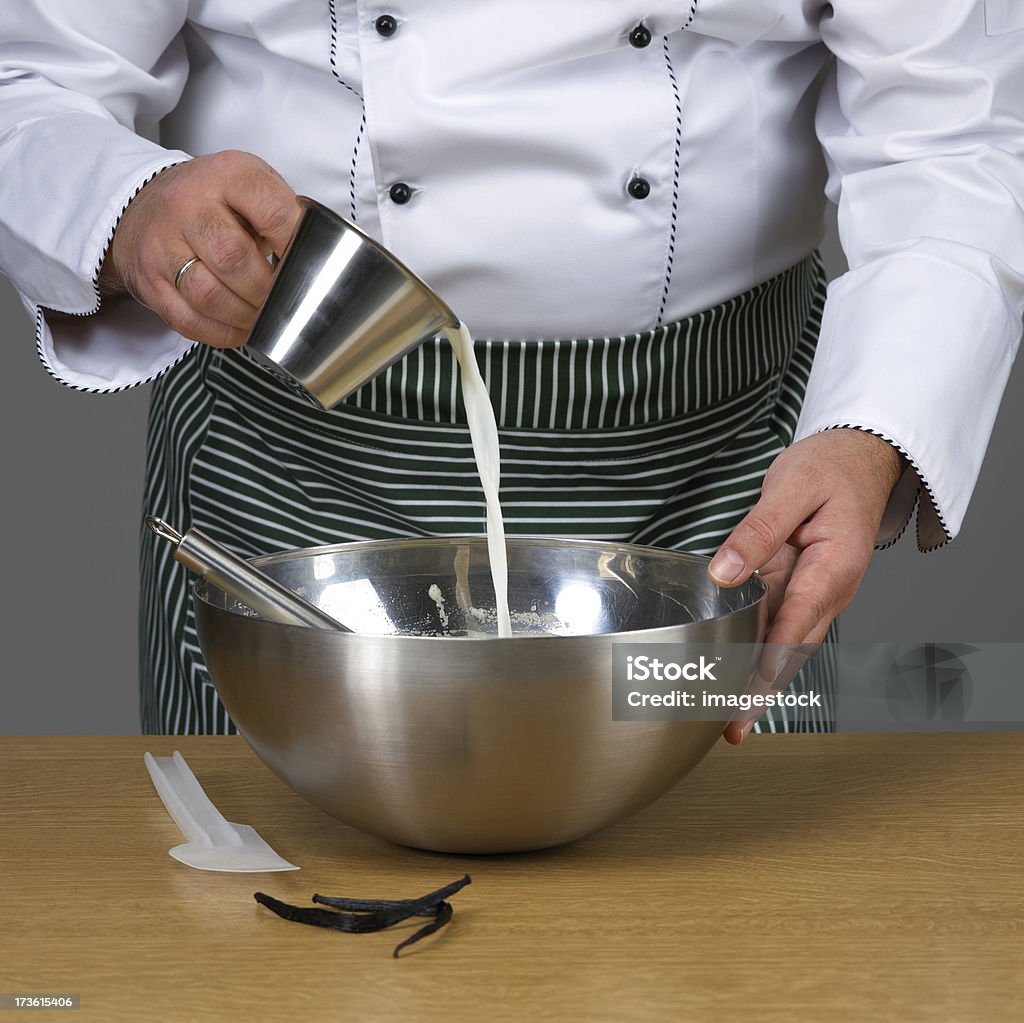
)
(483, 432)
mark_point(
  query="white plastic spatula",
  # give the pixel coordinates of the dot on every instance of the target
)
(213, 843)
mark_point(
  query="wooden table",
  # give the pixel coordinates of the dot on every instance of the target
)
(821, 878)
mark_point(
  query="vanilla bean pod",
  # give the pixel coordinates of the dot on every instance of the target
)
(353, 923)
(430, 899)
(444, 914)
(361, 916)
(319, 917)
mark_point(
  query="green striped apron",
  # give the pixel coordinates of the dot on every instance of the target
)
(657, 438)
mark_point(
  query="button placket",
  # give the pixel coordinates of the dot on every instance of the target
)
(640, 37)
(386, 25)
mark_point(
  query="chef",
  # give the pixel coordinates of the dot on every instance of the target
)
(621, 200)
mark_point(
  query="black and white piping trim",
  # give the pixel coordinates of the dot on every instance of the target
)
(41, 310)
(334, 50)
(352, 171)
(920, 476)
(671, 250)
(362, 120)
(98, 390)
(693, 14)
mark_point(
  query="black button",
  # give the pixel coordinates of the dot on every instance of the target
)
(400, 193)
(640, 37)
(639, 188)
(386, 25)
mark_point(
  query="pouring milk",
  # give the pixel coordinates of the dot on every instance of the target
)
(483, 432)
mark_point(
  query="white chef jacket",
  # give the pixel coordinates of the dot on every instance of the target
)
(519, 126)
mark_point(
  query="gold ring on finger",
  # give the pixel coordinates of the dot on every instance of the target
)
(185, 267)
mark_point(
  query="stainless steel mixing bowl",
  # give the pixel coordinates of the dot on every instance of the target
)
(442, 741)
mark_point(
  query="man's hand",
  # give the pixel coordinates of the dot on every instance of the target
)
(231, 210)
(811, 533)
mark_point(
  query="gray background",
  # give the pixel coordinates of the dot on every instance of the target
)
(72, 509)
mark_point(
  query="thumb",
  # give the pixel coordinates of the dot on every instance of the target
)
(761, 533)
(262, 197)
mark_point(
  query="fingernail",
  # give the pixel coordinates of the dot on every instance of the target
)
(745, 730)
(726, 566)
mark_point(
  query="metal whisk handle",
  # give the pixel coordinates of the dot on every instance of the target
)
(203, 555)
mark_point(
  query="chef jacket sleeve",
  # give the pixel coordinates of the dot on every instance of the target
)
(77, 81)
(923, 130)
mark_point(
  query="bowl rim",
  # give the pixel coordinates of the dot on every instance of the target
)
(199, 586)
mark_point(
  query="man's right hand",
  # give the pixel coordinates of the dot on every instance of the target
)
(230, 209)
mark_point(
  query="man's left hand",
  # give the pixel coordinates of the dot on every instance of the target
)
(811, 533)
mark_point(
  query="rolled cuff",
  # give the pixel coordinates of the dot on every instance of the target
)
(121, 346)
(918, 352)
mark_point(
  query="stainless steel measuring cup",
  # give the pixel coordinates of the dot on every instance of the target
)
(341, 308)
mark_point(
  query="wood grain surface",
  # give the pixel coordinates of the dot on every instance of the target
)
(799, 877)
